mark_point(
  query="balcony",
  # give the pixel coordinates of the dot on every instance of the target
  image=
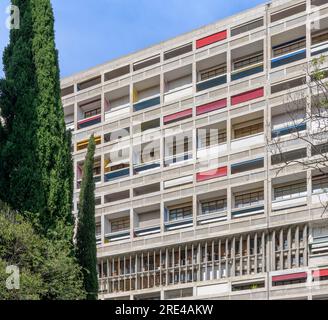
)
(147, 221)
(96, 172)
(248, 141)
(247, 60)
(211, 152)
(117, 103)
(117, 174)
(69, 117)
(320, 188)
(289, 195)
(212, 208)
(178, 84)
(178, 215)
(288, 130)
(211, 72)
(146, 157)
(146, 94)
(117, 236)
(89, 113)
(288, 47)
(248, 202)
(319, 38)
(247, 165)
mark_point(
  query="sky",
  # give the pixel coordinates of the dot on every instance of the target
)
(92, 32)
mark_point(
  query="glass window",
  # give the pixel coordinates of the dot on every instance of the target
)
(92, 113)
(249, 199)
(180, 213)
(120, 224)
(213, 72)
(290, 191)
(214, 206)
(247, 61)
(249, 130)
(320, 38)
(286, 48)
(320, 184)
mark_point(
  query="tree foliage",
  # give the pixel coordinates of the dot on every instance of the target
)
(86, 228)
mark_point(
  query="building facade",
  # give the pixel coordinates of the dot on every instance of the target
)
(190, 201)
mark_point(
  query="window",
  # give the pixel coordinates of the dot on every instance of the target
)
(247, 27)
(319, 38)
(248, 286)
(212, 137)
(97, 169)
(213, 72)
(289, 47)
(320, 184)
(92, 113)
(249, 130)
(249, 199)
(291, 191)
(98, 229)
(180, 213)
(120, 224)
(247, 61)
(214, 206)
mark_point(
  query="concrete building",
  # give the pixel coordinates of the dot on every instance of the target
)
(183, 215)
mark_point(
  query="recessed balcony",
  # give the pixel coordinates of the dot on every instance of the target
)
(117, 103)
(69, 117)
(178, 215)
(247, 131)
(319, 38)
(211, 72)
(147, 221)
(178, 149)
(146, 94)
(247, 61)
(248, 202)
(319, 188)
(178, 84)
(288, 47)
(289, 194)
(117, 227)
(96, 172)
(146, 157)
(117, 165)
(212, 207)
(89, 113)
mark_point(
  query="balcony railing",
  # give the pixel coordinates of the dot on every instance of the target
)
(287, 130)
(178, 93)
(178, 224)
(247, 71)
(117, 112)
(118, 174)
(319, 48)
(170, 160)
(70, 126)
(98, 239)
(248, 211)
(211, 151)
(291, 202)
(146, 231)
(84, 123)
(117, 236)
(146, 166)
(247, 141)
(220, 215)
(288, 58)
(147, 103)
(207, 84)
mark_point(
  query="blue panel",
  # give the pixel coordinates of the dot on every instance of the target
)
(89, 123)
(117, 174)
(248, 210)
(246, 73)
(147, 167)
(288, 130)
(147, 104)
(212, 83)
(319, 51)
(292, 57)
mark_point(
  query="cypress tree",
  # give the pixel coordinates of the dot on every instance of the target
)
(35, 162)
(86, 227)
(20, 180)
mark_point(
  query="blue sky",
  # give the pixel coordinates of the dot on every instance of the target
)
(90, 32)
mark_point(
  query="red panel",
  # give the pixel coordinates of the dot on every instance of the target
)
(89, 119)
(320, 273)
(293, 276)
(216, 105)
(211, 39)
(247, 96)
(211, 174)
(177, 116)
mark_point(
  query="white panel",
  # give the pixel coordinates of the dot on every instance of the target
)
(177, 182)
(248, 141)
(213, 289)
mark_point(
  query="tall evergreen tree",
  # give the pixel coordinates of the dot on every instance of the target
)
(35, 163)
(86, 227)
